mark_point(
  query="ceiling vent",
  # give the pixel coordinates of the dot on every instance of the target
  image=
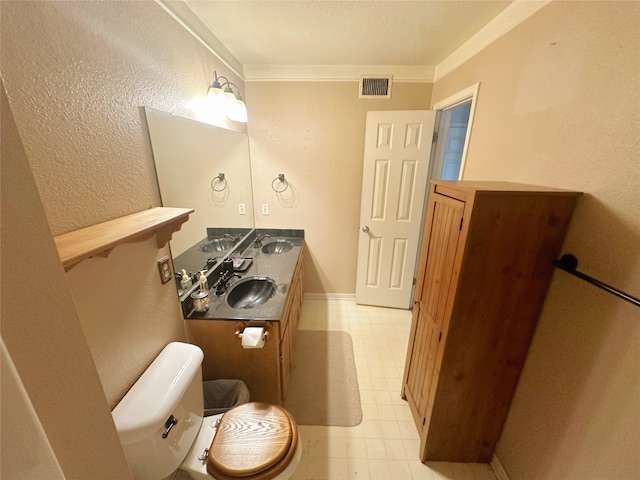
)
(372, 86)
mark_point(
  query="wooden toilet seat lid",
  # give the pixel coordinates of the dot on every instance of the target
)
(252, 440)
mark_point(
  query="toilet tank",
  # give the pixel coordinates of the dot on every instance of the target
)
(170, 387)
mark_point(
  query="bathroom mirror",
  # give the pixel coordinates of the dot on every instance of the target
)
(203, 167)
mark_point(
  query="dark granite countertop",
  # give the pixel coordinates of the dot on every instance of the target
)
(279, 267)
(197, 257)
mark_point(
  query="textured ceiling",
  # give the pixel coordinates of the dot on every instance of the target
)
(411, 33)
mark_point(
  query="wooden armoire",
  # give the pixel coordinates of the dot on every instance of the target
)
(485, 266)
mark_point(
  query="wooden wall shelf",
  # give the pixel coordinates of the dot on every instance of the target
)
(100, 239)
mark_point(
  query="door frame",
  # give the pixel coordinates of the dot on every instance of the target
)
(464, 95)
(469, 93)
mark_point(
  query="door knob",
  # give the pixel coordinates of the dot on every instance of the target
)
(365, 229)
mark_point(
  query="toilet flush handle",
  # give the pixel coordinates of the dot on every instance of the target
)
(169, 424)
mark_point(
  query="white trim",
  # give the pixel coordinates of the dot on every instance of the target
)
(469, 93)
(329, 296)
(182, 14)
(498, 469)
(459, 97)
(335, 73)
(512, 16)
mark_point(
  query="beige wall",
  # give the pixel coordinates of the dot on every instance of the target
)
(313, 132)
(45, 345)
(77, 75)
(22, 431)
(566, 115)
(559, 106)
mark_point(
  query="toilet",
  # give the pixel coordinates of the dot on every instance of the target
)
(161, 427)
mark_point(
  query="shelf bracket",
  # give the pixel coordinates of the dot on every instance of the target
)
(100, 239)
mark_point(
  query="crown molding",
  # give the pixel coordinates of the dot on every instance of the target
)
(183, 14)
(512, 16)
(335, 73)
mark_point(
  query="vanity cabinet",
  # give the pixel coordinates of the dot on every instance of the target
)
(264, 370)
(486, 264)
(289, 325)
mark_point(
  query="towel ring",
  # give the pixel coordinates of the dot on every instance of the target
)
(221, 179)
(281, 179)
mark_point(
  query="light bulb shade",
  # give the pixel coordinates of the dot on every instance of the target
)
(216, 99)
(223, 102)
(229, 100)
(238, 113)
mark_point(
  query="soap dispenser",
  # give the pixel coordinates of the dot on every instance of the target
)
(201, 298)
(202, 281)
(185, 281)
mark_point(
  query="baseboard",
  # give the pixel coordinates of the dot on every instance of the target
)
(329, 296)
(498, 469)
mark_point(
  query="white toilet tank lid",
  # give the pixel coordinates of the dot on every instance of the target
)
(152, 399)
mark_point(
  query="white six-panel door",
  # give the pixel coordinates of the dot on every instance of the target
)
(394, 180)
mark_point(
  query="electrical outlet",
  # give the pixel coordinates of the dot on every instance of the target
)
(241, 209)
(164, 266)
(265, 209)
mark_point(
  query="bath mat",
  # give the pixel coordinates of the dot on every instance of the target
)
(323, 386)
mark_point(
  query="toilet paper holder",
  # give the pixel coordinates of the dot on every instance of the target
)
(240, 331)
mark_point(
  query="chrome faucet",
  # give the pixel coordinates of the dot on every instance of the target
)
(223, 282)
(259, 237)
(227, 235)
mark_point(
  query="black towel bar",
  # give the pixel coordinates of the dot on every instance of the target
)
(569, 263)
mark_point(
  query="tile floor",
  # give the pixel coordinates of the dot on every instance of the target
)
(385, 445)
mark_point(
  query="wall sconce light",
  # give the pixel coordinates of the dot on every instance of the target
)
(222, 99)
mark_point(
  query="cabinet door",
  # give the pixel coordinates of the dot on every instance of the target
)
(285, 360)
(289, 324)
(434, 285)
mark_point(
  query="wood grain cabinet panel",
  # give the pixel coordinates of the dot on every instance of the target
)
(486, 264)
(264, 370)
(289, 324)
